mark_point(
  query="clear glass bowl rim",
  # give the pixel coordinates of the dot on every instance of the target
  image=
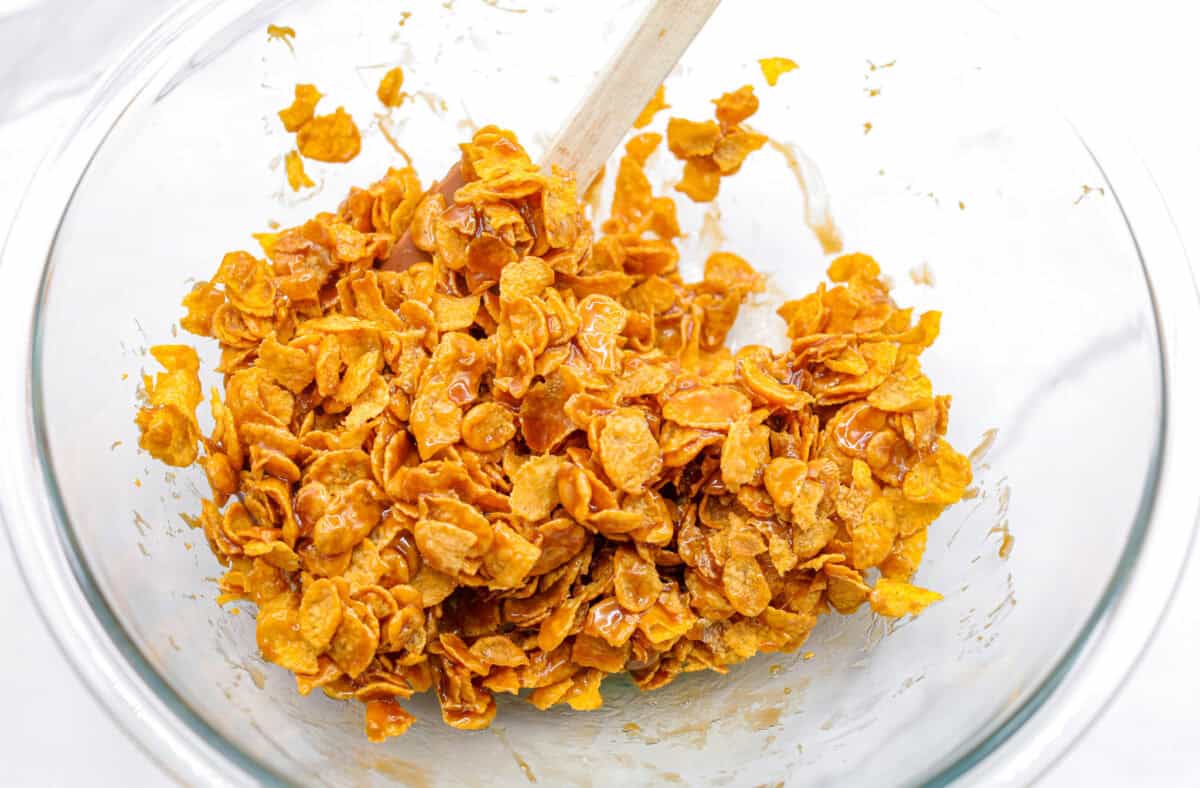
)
(125, 683)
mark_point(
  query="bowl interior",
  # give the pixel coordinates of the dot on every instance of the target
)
(954, 167)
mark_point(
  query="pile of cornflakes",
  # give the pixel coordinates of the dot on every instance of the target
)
(532, 461)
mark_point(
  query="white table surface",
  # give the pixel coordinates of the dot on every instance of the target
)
(1138, 56)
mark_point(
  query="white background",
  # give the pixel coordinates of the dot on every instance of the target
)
(1139, 58)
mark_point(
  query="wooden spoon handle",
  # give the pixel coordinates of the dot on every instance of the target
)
(625, 85)
(610, 107)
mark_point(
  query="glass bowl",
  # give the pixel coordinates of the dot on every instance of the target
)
(932, 145)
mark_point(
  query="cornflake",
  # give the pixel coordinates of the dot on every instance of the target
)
(532, 461)
(168, 426)
(656, 104)
(281, 33)
(297, 178)
(302, 107)
(775, 67)
(332, 138)
(388, 92)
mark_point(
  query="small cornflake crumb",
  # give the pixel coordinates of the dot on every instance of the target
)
(281, 33)
(655, 105)
(962, 206)
(188, 545)
(872, 92)
(774, 669)
(404, 17)
(389, 91)
(873, 67)
(775, 67)
(235, 611)
(632, 727)
(1086, 190)
(137, 482)
(808, 655)
(297, 178)
(124, 376)
(112, 446)
(867, 127)
(922, 275)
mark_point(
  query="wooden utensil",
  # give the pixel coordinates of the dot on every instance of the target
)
(608, 111)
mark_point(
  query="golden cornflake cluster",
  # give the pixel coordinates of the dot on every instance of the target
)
(331, 138)
(532, 461)
(167, 423)
(713, 149)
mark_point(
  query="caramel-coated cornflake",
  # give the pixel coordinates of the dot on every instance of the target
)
(656, 104)
(628, 451)
(302, 108)
(281, 33)
(332, 138)
(488, 426)
(707, 407)
(167, 423)
(535, 488)
(389, 91)
(297, 178)
(386, 718)
(774, 67)
(734, 107)
(896, 598)
(688, 138)
(701, 179)
(320, 613)
(279, 637)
